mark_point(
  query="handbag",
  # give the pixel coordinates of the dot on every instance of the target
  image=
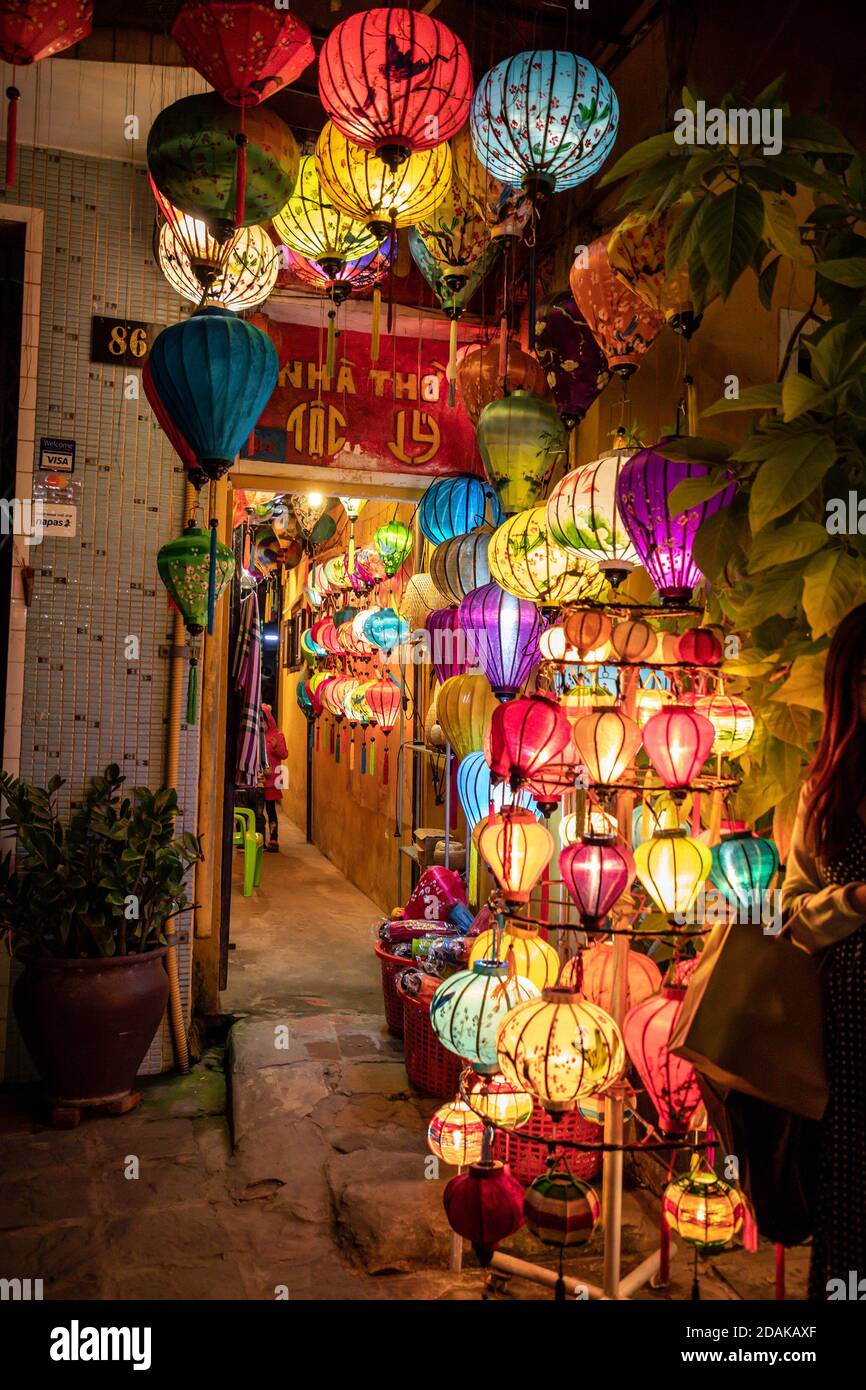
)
(752, 1019)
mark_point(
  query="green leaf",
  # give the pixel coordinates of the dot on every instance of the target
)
(790, 723)
(851, 271)
(782, 229)
(767, 281)
(785, 480)
(799, 395)
(805, 684)
(699, 447)
(731, 228)
(767, 397)
(639, 156)
(684, 234)
(777, 594)
(691, 492)
(771, 93)
(814, 134)
(833, 584)
(788, 542)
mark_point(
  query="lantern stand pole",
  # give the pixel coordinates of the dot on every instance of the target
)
(457, 1242)
(447, 803)
(401, 763)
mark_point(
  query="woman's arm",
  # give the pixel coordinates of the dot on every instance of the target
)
(817, 916)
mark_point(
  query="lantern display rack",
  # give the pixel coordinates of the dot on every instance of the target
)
(632, 781)
(621, 607)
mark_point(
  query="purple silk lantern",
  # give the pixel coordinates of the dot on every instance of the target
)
(664, 540)
(451, 650)
(574, 364)
(504, 632)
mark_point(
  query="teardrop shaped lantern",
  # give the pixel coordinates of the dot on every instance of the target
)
(395, 80)
(195, 571)
(525, 735)
(664, 539)
(454, 286)
(574, 364)
(459, 565)
(385, 702)
(505, 632)
(561, 1048)
(181, 446)
(487, 371)
(393, 541)
(521, 439)
(671, 1082)
(453, 506)
(450, 653)
(637, 252)
(468, 1007)
(743, 867)
(525, 560)
(623, 325)
(607, 740)
(672, 866)
(31, 30)
(464, 705)
(517, 849)
(583, 516)
(678, 742)
(596, 871)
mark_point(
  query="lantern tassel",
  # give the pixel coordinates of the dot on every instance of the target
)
(330, 350)
(386, 764)
(337, 742)
(352, 751)
(318, 740)
(371, 761)
(375, 325)
(211, 577)
(331, 739)
(192, 690)
(451, 373)
(391, 273)
(13, 97)
(241, 174)
(363, 755)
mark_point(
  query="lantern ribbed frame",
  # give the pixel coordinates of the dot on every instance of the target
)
(393, 542)
(505, 631)
(534, 959)
(560, 1048)
(703, 1210)
(607, 740)
(699, 645)
(525, 736)
(464, 706)
(459, 565)
(243, 279)
(479, 796)
(385, 703)
(521, 439)
(583, 515)
(456, 1134)
(361, 184)
(732, 720)
(313, 225)
(517, 849)
(485, 1206)
(246, 49)
(596, 871)
(526, 561)
(633, 640)
(621, 323)
(672, 866)
(595, 971)
(468, 1007)
(553, 645)
(588, 630)
(497, 1101)
(678, 742)
(561, 1210)
(452, 507)
(670, 1081)
(743, 867)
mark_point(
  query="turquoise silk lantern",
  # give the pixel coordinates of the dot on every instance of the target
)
(454, 506)
(744, 866)
(468, 1007)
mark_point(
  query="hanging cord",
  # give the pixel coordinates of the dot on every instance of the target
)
(391, 271)
(241, 173)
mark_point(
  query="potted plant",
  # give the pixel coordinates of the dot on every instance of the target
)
(83, 904)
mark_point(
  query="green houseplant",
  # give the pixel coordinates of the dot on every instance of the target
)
(83, 904)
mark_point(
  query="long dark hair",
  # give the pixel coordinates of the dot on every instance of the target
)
(837, 773)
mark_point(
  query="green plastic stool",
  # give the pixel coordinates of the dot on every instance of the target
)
(247, 838)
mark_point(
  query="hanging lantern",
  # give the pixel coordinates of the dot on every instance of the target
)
(449, 651)
(621, 323)
(311, 649)
(589, 631)
(195, 569)
(451, 507)
(561, 1048)
(583, 516)
(517, 848)
(485, 1206)
(553, 645)
(699, 646)
(664, 540)
(526, 735)
(672, 866)
(485, 371)
(561, 1210)
(505, 632)
(633, 641)
(526, 561)
(607, 740)
(311, 223)
(533, 958)
(544, 120)
(338, 282)
(743, 867)
(670, 1082)
(556, 779)
(573, 362)
(393, 542)
(464, 705)
(456, 1134)
(304, 698)
(191, 155)
(497, 1101)
(385, 629)
(596, 871)
(458, 566)
(455, 236)
(245, 276)
(181, 446)
(395, 80)
(385, 703)
(678, 742)
(31, 30)
(468, 1007)
(650, 700)
(637, 252)
(505, 210)
(703, 1210)
(479, 797)
(453, 290)
(593, 973)
(382, 199)
(521, 439)
(420, 598)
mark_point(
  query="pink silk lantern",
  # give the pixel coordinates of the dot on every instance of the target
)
(555, 779)
(436, 892)
(623, 324)
(671, 1083)
(525, 736)
(596, 870)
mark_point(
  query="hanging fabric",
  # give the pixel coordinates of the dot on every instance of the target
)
(248, 680)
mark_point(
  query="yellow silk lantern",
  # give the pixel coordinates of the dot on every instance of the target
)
(526, 561)
(607, 740)
(649, 700)
(571, 827)
(702, 1209)
(464, 706)
(633, 641)
(362, 185)
(732, 720)
(314, 225)
(534, 959)
(517, 849)
(561, 1048)
(456, 1134)
(672, 866)
(455, 235)
(505, 210)
(496, 1100)
(637, 254)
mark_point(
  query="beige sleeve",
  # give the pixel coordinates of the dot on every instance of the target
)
(816, 916)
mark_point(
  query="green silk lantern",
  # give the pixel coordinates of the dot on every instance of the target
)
(184, 566)
(393, 543)
(521, 439)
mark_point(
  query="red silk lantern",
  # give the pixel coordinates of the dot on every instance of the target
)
(486, 370)
(525, 735)
(29, 31)
(596, 870)
(623, 325)
(385, 702)
(485, 1206)
(678, 742)
(700, 645)
(247, 50)
(555, 779)
(395, 80)
(671, 1083)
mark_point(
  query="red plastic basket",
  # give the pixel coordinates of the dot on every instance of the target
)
(391, 966)
(528, 1161)
(430, 1067)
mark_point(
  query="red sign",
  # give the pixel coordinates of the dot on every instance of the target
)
(390, 416)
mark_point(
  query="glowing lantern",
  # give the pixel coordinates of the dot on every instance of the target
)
(533, 958)
(420, 597)
(309, 222)
(464, 705)
(456, 1134)
(505, 631)
(553, 645)
(664, 540)
(195, 569)
(702, 1209)
(561, 1048)
(339, 282)
(661, 813)
(633, 641)
(243, 278)
(478, 796)
(583, 516)
(498, 1101)
(486, 370)
(449, 650)
(619, 320)
(455, 236)
(468, 1007)
(555, 780)
(526, 735)
(637, 253)
(596, 871)
(670, 1082)
(589, 631)
(678, 742)
(505, 210)
(743, 867)
(560, 1210)
(699, 646)
(525, 561)
(385, 703)
(520, 438)
(650, 700)
(393, 541)
(382, 199)
(451, 507)
(359, 626)
(385, 629)
(732, 720)
(607, 740)
(593, 972)
(517, 848)
(484, 1206)
(459, 565)
(672, 866)
(31, 30)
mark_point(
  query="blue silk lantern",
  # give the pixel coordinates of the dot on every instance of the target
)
(454, 506)
(386, 629)
(478, 798)
(743, 868)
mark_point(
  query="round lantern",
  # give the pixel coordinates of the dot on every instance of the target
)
(526, 561)
(497, 1101)
(743, 867)
(560, 1210)
(247, 51)
(699, 646)
(451, 507)
(395, 80)
(670, 1082)
(191, 155)
(456, 1134)
(561, 1048)
(339, 281)
(573, 362)
(459, 565)
(505, 632)
(633, 641)
(593, 972)
(650, 700)
(382, 199)
(545, 120)
(678, 742)
(526, 735)
(485, 371)
(555, 780)
(533, 958)
(607, 740)
(243, 278)
(521, 439)
(420, 597)
(195, 569)
(454, 288)
(704, 1211)
(583, 516)
(468, 1007)
(621, 323)
(393, 541)
(310, 223)
(596, 870)
(517, 849)
(31, 30)
(478, 796)
(449, 650)
(732, 720)
(464, 705)
(589, 631)
(672, 866)
(385, 703)
(554, 646)
(385, 629)
(664, 540)
(304, 698)
(484, 1206)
